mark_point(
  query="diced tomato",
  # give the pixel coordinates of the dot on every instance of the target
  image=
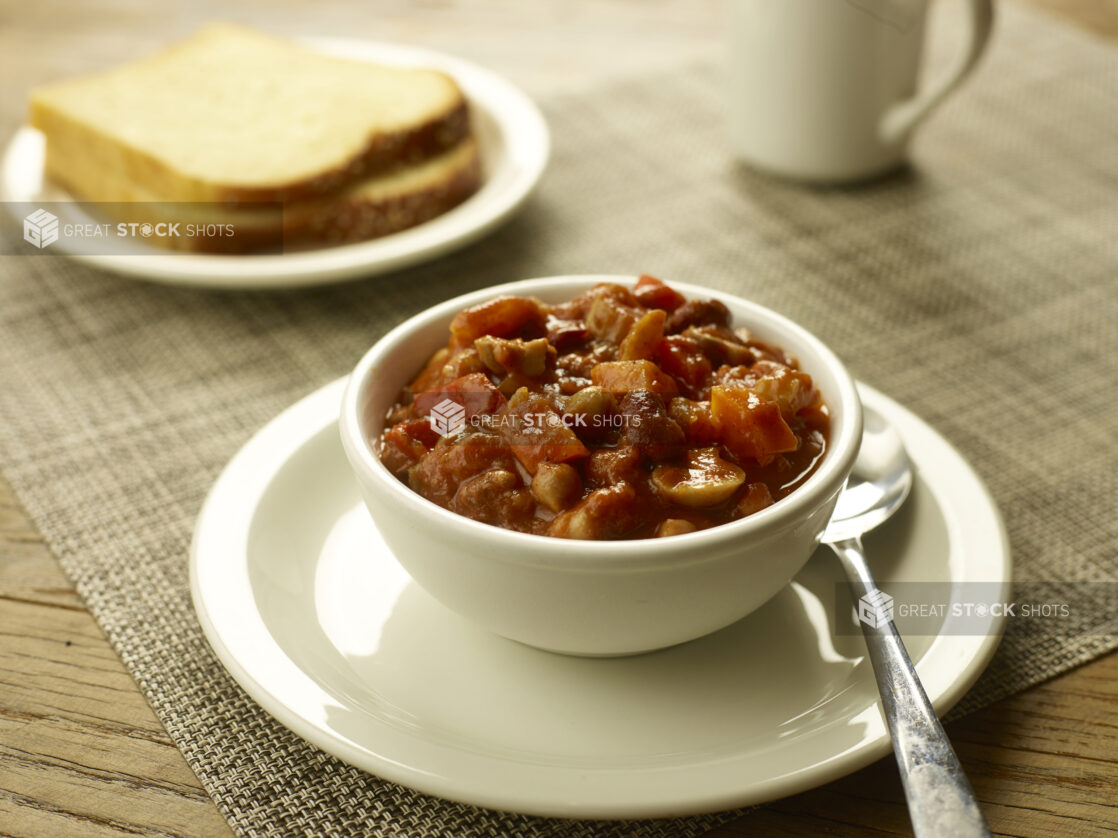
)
(751, 428)
(475, 392)
(405, 442)
(682, 358)
(632, 376)
(431, 376)
(654, 293)
(536, 432)
(417, 430)
(696, 420)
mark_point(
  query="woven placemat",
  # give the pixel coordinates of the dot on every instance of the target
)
(978, 288)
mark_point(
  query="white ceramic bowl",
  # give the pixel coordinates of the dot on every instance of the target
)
(594, 597)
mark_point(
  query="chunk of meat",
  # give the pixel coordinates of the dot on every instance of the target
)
(503, 317)
(751, 428)
(674, 526)
(684, 360)
(610, 466)
(575, 365)
(609, 319)
(643, 338)
(737, 376)
(514, 355)
(460, 364)
(611, 512)
(648, 426)
(556, 485)
(566, 335)
(791, 389)
(438, 473)
(496, 497)
(720, 345)
(766, 351)
(698, 313)
(579, 307)
(537, 433)
(706, 480)
(632, 376)
(653, 293)
(399, 412)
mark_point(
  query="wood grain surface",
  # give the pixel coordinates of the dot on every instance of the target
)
(81, 754)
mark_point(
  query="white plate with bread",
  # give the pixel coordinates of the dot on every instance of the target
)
(273, 163)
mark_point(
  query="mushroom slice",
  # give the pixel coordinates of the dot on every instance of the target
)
(516, 356)
(706, 480)
(556, 485)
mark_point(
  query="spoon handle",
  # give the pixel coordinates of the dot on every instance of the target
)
(941, 802)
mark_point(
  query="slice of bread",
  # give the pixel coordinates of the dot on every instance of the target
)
(232, 115)
(373, 207)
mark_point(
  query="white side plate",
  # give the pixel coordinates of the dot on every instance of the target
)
(515, 146)
(316, 620)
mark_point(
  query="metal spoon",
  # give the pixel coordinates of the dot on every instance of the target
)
(941, 802)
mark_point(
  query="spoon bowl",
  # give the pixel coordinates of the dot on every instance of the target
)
(878, 485)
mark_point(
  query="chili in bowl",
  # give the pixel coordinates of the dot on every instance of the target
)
(601, 465)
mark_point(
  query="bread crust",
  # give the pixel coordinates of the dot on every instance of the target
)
(349, 220)
(342, 218)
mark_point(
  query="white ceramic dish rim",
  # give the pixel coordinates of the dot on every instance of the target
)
(222, 592)
(526, 150)
(539, 550)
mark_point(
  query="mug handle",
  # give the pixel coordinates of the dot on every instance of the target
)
(900, 119)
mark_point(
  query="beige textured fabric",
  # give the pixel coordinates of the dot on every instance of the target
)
(979, 289)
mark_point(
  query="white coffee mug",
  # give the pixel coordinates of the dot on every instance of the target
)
(826, 90)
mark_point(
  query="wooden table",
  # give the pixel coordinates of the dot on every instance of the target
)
(81, 754)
